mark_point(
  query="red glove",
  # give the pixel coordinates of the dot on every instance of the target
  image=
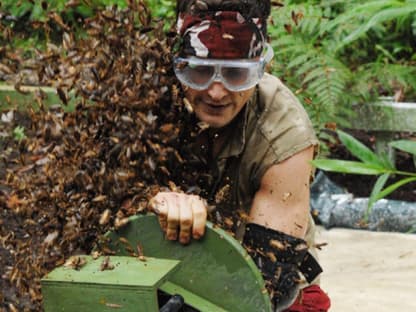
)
(311, 299)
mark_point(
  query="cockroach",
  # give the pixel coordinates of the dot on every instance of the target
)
(62, 96)
(106, 264)
(277, 244)
(58, 20)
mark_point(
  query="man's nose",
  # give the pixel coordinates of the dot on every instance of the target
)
(217, 91)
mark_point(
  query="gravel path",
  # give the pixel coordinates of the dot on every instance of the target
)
(368, 271)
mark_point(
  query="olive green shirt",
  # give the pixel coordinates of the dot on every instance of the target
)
(272, 127)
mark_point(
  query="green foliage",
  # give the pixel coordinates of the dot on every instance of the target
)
(164, 9)
(34, 22)
(19, 133)
(38, 10)
(373, 14)
(370, 164)
(336, 53)
(405, 145)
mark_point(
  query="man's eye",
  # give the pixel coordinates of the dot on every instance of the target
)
(235, 74)
(203, 70)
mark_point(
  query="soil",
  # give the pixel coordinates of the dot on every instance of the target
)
(362, 185)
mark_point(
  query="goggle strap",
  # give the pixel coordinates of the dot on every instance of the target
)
(269, 53)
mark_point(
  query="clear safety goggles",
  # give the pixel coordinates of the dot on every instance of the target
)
(235, 75)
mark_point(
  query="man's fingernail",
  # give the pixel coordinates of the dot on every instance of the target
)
(184, 241)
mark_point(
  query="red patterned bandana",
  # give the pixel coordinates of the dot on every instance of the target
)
(222, 35)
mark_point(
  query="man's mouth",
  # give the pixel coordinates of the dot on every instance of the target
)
(216, 105)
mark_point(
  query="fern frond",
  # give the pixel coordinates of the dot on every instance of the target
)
(300, 59)
(342, 52)
(379, 18)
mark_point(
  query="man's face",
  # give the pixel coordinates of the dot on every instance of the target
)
(216, 105)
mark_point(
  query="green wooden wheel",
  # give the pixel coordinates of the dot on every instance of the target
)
(215, 273)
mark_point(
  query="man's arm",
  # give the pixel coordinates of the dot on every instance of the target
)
(282, 202)
(277, 225)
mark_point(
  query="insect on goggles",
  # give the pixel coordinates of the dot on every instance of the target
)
(235, 75)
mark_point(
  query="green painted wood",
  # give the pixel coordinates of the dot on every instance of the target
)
(216, 268)
(130, 286)
(80, 298)
(11, 98)
(190, 298)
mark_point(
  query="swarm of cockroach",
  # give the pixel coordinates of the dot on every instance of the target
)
(69, 177)
(72, 176)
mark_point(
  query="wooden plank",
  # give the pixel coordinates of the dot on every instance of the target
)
(129, 284)
(385, 116)
(383, 119)
(11, 98)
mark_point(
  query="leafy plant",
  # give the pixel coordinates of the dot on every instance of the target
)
(338, 53)
(371, 164)
(305, 62)
(34, 22)
(163, 9)
(31, 24)
(19, 133)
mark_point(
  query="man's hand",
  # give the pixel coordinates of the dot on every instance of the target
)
(179, 212)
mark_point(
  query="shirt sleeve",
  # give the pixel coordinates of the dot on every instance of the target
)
(284, 128)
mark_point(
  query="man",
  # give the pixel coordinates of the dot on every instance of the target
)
(258, 145)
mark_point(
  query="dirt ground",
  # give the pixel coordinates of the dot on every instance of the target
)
(368, 271)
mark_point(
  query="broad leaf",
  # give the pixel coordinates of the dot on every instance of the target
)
(381, 181)
(391, 188)
(405, 145)
(359, 150)
(347, 166)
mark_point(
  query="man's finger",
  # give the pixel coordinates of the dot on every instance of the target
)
(173, 219)
(199, 212)
(159, 205)
(185, 225)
